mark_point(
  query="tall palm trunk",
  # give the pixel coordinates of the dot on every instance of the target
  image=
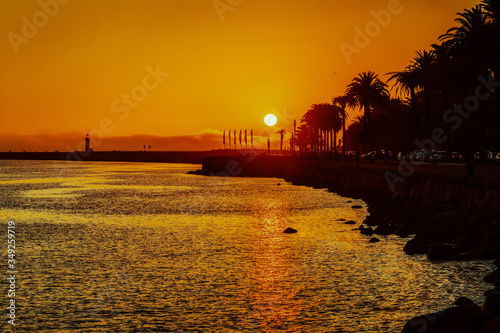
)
(335, 142)
(367, 116)
(365, 127)
(413, 98)
(483, 129)
(343, 133)
(331, 141)
(327, 142)
(428, 121)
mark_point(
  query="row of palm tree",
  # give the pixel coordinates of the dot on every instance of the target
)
(320, 126)
(447, 75)
(322, 122)
(435, 81)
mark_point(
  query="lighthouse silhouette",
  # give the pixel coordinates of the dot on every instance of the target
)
(87, 143)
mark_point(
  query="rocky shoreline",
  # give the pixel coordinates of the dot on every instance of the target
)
(444, 231)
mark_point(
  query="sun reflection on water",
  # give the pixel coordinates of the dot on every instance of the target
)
(274, 301)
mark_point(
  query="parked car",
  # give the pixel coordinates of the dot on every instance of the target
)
(477, 155)
(456, 156)
(492, 156)
(438, 156)
(423, 155)
(368, 156)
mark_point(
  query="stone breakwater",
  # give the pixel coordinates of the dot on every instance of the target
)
(445, 216)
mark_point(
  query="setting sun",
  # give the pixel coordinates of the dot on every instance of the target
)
(270, 119)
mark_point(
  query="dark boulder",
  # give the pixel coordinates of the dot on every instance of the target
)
(405, 229)
(465, 243)
(350, 222)
(444, 207)
(495, 249)
(495, 224)
(416, 246)
(490, 237)
(374, 240)
(367, 231)
(357, 207)
(384, 230)
(463, 301)
(457, 319)
(492, 326)
(497, 262)
(492, 291)
(341, 220)
(290, 231)
(493, 277)
(481, 252)
(441, 252)
(429, 232)
(491, 305)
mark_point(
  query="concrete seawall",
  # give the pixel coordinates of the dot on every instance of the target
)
(428, 183)
(251, 166)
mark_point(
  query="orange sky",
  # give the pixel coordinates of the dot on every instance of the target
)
(172, 69)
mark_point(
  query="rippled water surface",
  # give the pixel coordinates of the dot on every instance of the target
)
(104, 247)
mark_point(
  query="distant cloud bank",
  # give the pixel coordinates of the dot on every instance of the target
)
(207, 140)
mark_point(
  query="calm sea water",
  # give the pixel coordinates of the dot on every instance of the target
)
(103, 247)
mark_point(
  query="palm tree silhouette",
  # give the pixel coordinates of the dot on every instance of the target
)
(304, 137)
(469, 44)
(423, 65)
(333, 124)
(406, 83)
(366, 91)
(325, 121)
(282, 133)
(342, 102)
(492, 8)
(315, 119)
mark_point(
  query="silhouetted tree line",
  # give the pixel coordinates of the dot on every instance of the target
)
(450, 88)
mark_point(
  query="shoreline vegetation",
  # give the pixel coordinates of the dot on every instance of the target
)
(443, 213)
